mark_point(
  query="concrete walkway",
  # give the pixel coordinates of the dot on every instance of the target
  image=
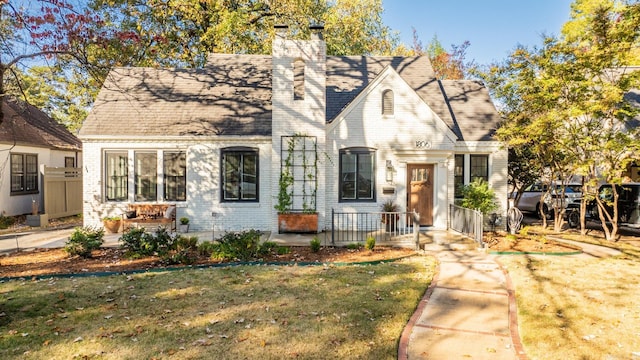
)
(468, 312)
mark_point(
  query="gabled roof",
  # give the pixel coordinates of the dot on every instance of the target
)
(24, 124)
(474, 115)
(231, 95)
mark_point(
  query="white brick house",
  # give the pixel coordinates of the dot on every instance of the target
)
(211, 139)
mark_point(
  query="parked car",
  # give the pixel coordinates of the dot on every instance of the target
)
(530, 199)
(628, 203)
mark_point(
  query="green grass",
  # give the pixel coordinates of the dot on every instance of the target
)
(266, 312)
(577, 307)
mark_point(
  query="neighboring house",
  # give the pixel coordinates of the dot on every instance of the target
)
(30, 140)
(215, 140)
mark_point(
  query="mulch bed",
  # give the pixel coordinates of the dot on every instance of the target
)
(43, 262)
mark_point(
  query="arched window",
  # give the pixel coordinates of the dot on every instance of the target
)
(387, 102)
(298, 79)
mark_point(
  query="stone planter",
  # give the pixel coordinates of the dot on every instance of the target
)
(112, 226)
(39, 220)
(298, 223)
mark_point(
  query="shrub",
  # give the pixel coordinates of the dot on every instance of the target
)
(315, 244)
(186, 243)
(206, 248)
(243, 245)
(354, 246)
(138, 242)
(371, 243)
(6, 221)
(283, 250)
(478, 195)
(267, 247)
(84, 240)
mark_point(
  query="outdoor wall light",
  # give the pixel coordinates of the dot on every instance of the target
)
(389, 172)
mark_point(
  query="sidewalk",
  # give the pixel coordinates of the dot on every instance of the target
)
(55, 238)
(468, 311)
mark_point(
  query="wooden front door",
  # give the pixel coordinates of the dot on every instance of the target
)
(420, 185)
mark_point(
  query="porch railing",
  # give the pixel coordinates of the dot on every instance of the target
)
(357, 227)
(466, 221)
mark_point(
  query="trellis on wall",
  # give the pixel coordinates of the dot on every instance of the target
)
(298, 174)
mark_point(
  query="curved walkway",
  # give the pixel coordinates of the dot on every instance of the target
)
(469, 310)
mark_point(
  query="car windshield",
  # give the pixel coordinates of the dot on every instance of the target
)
(568, 189)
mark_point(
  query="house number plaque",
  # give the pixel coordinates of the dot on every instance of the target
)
(423, 144)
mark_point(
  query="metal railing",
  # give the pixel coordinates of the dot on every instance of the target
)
(350, 227)
(467, 222)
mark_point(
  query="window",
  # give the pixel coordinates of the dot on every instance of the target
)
(298, 79)
(69, 162)
(387, 102)
(458, 176)
(146, 176)
(357, 169)
(175, 176)
(24, 174)
(479, 167)
(239, 174)
(116, 176)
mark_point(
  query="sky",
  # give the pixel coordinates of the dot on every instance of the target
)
(493, 27)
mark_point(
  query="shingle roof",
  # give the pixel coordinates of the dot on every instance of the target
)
(231, 95)
(24, 124)
(474, 115)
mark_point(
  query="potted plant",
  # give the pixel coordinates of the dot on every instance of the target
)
(184, 224)
(112, 224)
(390, 220)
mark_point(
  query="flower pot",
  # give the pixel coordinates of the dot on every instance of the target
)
(183, 228)
(112, 226)
(298, 223)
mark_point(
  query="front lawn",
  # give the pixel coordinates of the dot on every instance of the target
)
(577, 307)
(240, 312)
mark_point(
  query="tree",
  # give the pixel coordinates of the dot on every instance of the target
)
(49, 33)
(566, 99)
(183, 33)
(450, 65)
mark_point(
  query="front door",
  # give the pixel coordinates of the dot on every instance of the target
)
(420, 185)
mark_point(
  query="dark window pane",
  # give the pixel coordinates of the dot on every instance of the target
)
(31, 179)
(146, 175)
(116, 176)
(175, 176)
(479, 168)
(17, 173)
(357, 171)
(240, 175)
(458, 181)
